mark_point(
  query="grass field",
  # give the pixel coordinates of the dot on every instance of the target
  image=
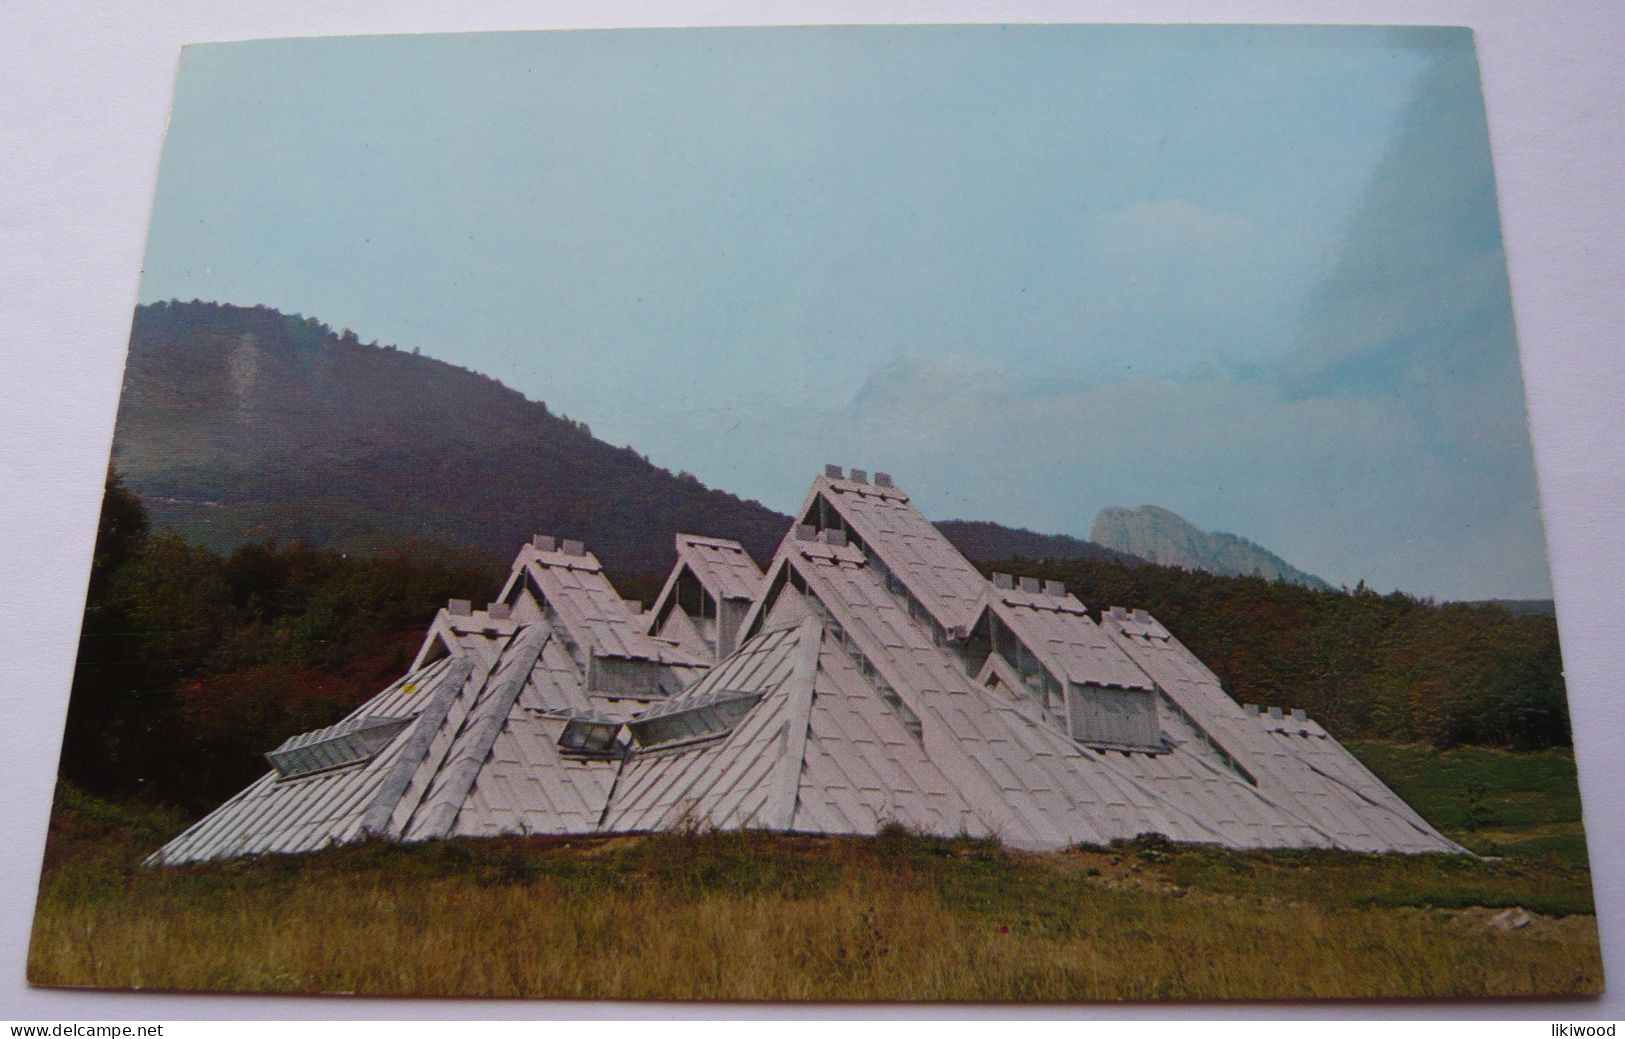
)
(1491, 801)
(744, 916)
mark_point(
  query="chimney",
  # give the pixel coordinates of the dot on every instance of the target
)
(573, 548)
(459, 607)
(806, 532)
(859, 476)
(1054, 588)
(883, 480)
(545, 542)
(1030, 584)
(833, 472)
(499, 611)
(1003, 582)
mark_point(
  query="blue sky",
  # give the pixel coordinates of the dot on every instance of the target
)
(1254, 275)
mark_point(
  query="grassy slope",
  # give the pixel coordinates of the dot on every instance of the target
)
(759, 916)
(1492, 801)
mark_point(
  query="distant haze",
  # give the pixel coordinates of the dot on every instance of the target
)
(1254, 275)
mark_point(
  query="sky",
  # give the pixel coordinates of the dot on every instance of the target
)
(1252, 275)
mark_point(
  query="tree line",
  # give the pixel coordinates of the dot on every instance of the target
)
(193, 663)
(1365, 665)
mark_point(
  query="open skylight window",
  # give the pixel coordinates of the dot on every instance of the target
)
(701, 717)
(590, 734)
(350, 742)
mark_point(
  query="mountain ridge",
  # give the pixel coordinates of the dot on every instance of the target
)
(1159, 535)
(238, 424)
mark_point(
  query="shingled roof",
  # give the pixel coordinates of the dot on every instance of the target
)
(878, 678)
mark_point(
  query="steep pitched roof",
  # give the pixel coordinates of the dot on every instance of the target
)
(306, 813)
(742, 779)
(1059, 632)
(853, 704)
(528, 783)
(1303, 768)
(723, 567)
(583, 603)
(821, 752)
(1030, 781)
(911, 547)
(727, 579)
(1025, 781)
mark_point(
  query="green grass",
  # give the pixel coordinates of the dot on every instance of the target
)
(773, 916)
(1492, 801)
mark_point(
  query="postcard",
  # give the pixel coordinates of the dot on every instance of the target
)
(933, 513)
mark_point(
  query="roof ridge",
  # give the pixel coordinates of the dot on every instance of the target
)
(803, 682)
(376, 817)
(462, 770)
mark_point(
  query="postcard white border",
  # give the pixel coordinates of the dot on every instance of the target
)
(84, 95)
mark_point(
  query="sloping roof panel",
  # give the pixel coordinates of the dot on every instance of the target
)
(863, 768)
(527, 784)
(1044, 790)
(470, 746)
(1069, 644)
(856, 710)
(708, 783)
(942, 580)
(583, 602)
(723, 567)
(311, 812)
(1297, 773)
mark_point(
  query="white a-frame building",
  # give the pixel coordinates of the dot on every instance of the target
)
(870, 676)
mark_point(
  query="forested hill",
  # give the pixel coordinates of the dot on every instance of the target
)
(240, 424)
(982, 541)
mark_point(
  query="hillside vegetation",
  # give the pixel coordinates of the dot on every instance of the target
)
(192, 664)
(238, 424)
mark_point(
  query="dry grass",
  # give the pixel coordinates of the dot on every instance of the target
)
(756, 916)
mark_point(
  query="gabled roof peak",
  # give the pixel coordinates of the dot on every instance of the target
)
(544, 550)
(1135, 622)
(1034, 592)
(574, 713)
(859, 476)
(844, 485)
(888, 530)
(722, 566)
(709, 542)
